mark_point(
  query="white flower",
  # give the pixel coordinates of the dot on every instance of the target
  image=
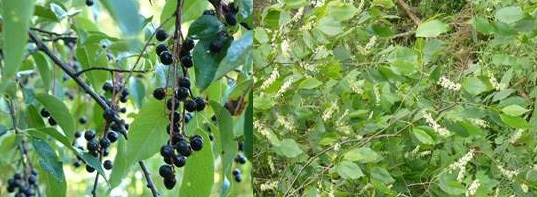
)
(330, 111)
(448, 84)
(472, 189)
(287, 122)
(286, 85)
(377, 94)
(516, 136)
(371, 43)
(461, 164)
(507, 173)
(479, 122)
(524, 188)
(436, 127)
(273, 76)
(269, 186)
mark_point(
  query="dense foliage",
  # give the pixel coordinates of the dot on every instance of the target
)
(126, 98)
(396, 98)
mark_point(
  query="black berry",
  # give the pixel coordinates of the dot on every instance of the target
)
(159, 93)
(161, 48)
(161, 35)
(104, 142)
(216, 46)
(190, 105)
(231, 19)
(112, 136)
(241, 146)
(166, 151)
(166, 58)
(209, 12)
(196, 143)
(108, 164)
(89, 135)
(188, 44)
(240, 159)
(32, 179)
(238, 178)
(182, 93)
(107, 86)
(166, 171)
(89, 2)
(172, 104)
(45, 113)
(169, 183)
(92, 145)
(78, 134)
(82, 120)
(177, 137)
(200, 103)
(51, 121)
(186, 61)
(183, 148)
(175, 128)
(123, 110)
(236, 172)
(184, 82)
(179, 161)
(188, 117)
(90, 169)
(176, 116)
(109, 115)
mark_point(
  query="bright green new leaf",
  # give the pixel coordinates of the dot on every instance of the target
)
(432, 28)
(515, 121)
(382, 175)
(510, 14)
(310, 83)
(362, 155)
(422, 136)
(16, 16)
(475, 86)
(514, 110)
(288, 147)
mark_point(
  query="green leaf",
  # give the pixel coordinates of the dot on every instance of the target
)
(16, 16)
(295, 3)
(309, 83)
(52, 168)
(483, 26)
(510, 14)
(475, 86)
(236, 55)
(451, 186)
(34, 118)
(341, 11)
(48, 159)
(125, 13)
(206, 63)
(204, 27)
(138, 90)
(382, 175)
(431, 28)
(288, 147)
(515, 121)
(362, 155)
(383, 3)
(514, 110)
(198, 175)
(422, 136)
(228, 145)
(58, 11)
(329, 26)
(249, 128)
(44, 70)
(147, 134)
(192, 9)
(349, 170)
(59, 112)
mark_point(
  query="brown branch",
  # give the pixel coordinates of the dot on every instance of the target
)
(409, 12)
(109, 69)
(150, 182)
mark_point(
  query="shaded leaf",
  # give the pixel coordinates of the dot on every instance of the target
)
(431, 28)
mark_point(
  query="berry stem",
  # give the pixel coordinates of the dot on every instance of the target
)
(109, 69)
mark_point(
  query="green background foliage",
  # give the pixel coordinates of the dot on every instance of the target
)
(353, 98)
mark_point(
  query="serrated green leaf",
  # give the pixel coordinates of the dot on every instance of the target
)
(59, 112)
(147, 134)
(431, 28)
(16, 17)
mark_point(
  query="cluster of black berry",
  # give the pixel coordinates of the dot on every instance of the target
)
(230, 13)
(166, 56)
(116, 91)
(240, 159)
(25, 185)
(46, 114)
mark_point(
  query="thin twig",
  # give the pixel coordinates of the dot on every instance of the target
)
(409, 12)
(150, 182)
(108, 69)
(49, 32)
(77, 79)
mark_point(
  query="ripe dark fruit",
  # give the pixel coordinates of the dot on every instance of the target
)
(89, 2)
(166, 58)
(78, 134)
(188, 45)
(123, 99)
(183, 148)
(89, 135)
(32, 179)
(238, 178)
(44, 113)
(184, 82)
(90, 169)
(176, 116)
(175, 128)
(240, 159)
(82, 120)
(231, 19)
(188, 117)
(161, 48)
(51, 121)
(169, 183)
(172, 104)
(179, 161)
(92, 145)
(166, 171)
(216, 46)
(112, 136)
(200, 103)
(241, 146)
(209, 12)
(196, 142)
(104, 142)
(159, 93)
(166, 151)
(236, 172)
(108, 87)
(182, 93)
(186, 61)
(108, 164)
(123, 110)
(161, 35)
(190, 105)
(109, 115)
